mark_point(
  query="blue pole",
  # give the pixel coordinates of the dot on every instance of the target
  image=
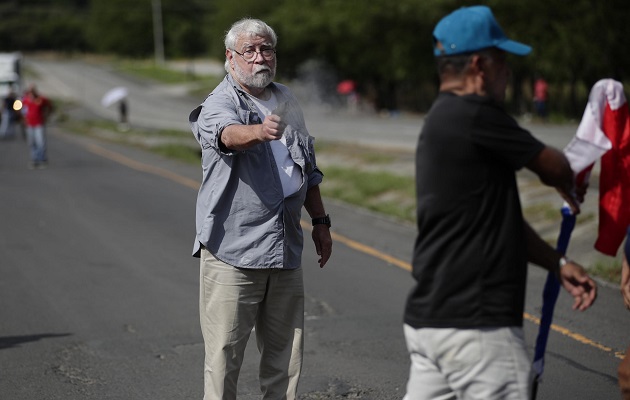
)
(626, 248)
(550, 295)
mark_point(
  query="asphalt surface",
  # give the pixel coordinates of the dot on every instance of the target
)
(99, 291)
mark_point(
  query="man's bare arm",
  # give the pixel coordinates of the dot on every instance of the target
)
(242, 137)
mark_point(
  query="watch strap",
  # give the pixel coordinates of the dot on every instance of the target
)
(322, 221)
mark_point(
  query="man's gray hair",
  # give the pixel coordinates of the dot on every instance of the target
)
(247, 26)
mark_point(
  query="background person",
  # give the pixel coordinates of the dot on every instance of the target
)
(259, 170)
(9, 116)
(36, 110)
(463, 319)
(541, 93)
(123, 112)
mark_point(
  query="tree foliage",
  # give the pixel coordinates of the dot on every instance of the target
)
(383, 45)
(42, 25)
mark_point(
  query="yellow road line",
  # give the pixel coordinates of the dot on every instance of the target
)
(406, 266)
(363, 248)
(119, 158)
(575, 336)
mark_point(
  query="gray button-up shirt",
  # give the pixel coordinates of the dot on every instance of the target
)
(243, 218)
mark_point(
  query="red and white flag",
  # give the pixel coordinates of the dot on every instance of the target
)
(604, 133)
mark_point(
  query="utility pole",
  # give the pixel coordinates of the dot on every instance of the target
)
(158, 37)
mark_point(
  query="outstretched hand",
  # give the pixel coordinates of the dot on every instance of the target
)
(576, 281)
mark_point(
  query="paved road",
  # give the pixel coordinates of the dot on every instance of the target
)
(101, 292)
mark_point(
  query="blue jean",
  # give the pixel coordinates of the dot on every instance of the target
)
(470, 364)
(37, 143)
(7, 126)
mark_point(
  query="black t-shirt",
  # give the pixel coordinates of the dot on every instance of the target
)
(469, 260)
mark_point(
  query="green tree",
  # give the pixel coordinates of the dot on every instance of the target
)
(42, 25)
(127, 28)
(184, 22)
(121, 27)
(575, 44)
(226, 12)
(385, 46)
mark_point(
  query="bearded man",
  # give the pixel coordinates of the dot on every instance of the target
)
(259, 170)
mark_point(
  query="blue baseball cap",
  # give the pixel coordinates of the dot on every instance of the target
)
(470, 29)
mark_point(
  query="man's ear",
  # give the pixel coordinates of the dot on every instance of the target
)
(230, 57)
(476, 63)
(476, 72)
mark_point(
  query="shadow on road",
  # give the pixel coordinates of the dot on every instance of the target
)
(8, 342)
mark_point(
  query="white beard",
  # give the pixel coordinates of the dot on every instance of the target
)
(261, 76)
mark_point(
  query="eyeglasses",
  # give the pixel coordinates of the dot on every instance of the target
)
(250, 55)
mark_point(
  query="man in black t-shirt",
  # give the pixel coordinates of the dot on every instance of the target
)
(463, 319)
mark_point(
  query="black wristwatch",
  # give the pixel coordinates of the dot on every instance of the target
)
(323, 221)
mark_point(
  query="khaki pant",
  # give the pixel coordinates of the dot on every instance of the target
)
(233, 302)
(479, 364)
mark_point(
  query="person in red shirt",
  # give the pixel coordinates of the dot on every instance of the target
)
(36, 109)
(540, 97)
